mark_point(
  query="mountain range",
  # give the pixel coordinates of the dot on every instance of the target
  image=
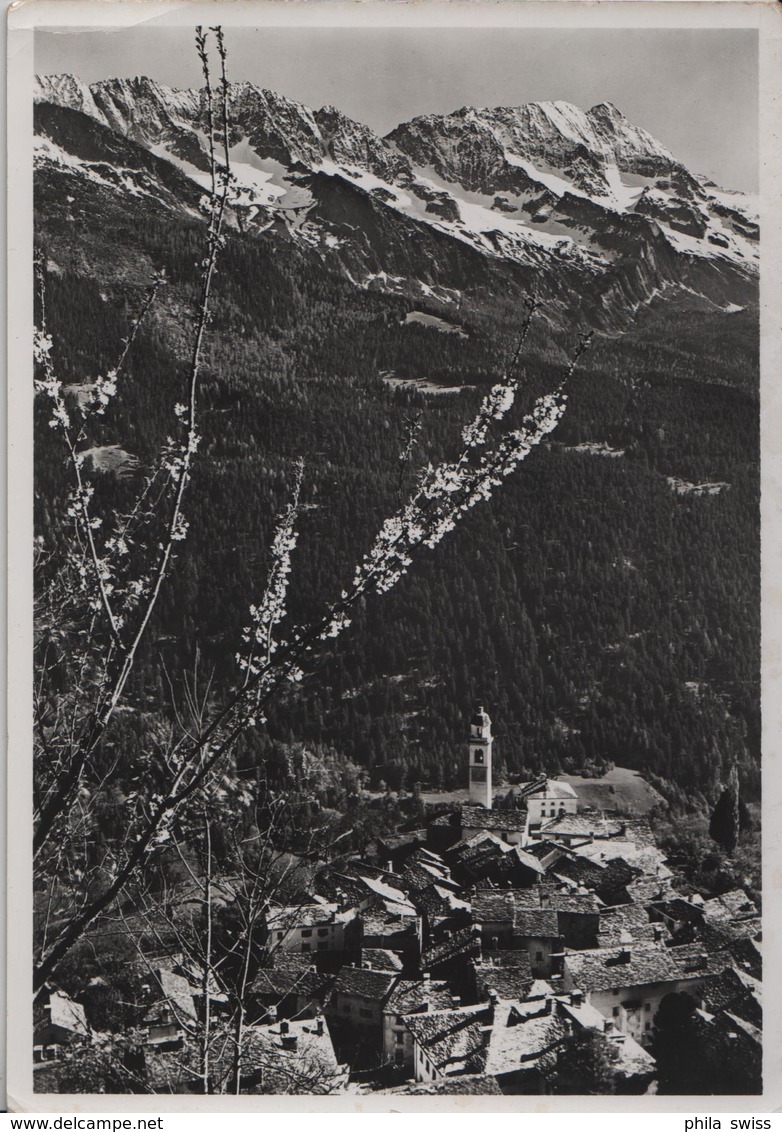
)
(598, 211)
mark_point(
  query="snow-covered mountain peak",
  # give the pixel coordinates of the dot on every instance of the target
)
(66, 90)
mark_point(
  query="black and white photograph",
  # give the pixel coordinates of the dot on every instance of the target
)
(394, 684)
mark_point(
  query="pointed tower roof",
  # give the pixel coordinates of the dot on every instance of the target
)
(480, 718)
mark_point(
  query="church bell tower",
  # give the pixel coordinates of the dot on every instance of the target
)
(480, 760)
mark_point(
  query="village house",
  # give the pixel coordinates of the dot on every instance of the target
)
(487, 859)
(291, 988)
(628, 983)
(172, 1012)
(549, 799)
(573, 829)
(507, 973)
(508, 825)
(578, 913)
(355, 1009)
(516, 1043)
(504, 922)
(57, 1019)
(410, 996)
(450, 955)
(292, 1057)
(313, 928)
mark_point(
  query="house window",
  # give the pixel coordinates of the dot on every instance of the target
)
(647, 1026)
(364, 1013)
(279, 935)
(616, 1012)
(400, 1057)
(306, 933)
(615, 991)
(647, 1006)
(346, 1007)
(323, 931)
(400, 1020)
(400, 1038)
(538, 956)
(305, 947)
(323, 945)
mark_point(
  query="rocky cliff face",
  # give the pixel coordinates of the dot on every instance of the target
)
(589, 202)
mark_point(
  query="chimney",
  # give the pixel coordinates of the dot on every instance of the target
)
(290, 1042)
(607, 1025)
(658, 931)
(319, 1025)
(427, 977)
(494, 998)
(625, 955)
(389, 866)
(576, 998)
(425, 1006)
(284, 1026)
(271, 1014)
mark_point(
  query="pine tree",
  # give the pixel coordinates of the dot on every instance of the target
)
(724, 824)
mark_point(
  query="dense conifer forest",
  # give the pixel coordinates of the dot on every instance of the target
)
(603, 606)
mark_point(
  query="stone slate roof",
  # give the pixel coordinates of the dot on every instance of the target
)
(628, 920)
(733, 905)
(363, 983)
(411, 995)
(65, 1013)
(607, 880)
(476, 817)
(492, 904)
(173, 990)
(461, 944)
(307, 915)
(550, 788)
(524, 1036)
(462, 850)
(607, 968)
(648, 890)
(736, 992)
(516, 906)
(581, 825)
(508, 982)
(716, 933)
(546, 896)
(313, 1064)
(340, 887)
(527, 859)
(290, 975)
(640, 831)
(395, 920)
(380, 959)
(454, 1041)
(536, 923)
(432, 901)
(541, 848)
(747, 955)
(449, 818)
